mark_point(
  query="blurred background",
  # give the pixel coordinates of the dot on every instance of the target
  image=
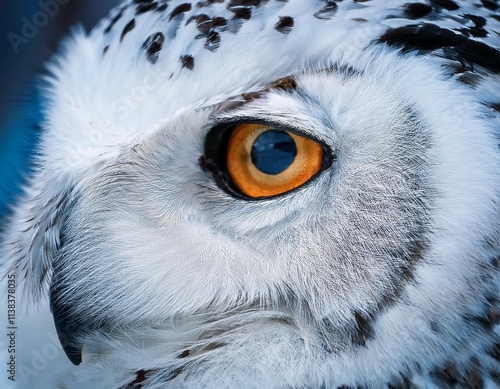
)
(30, 31)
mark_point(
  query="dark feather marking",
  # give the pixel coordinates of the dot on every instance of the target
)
(417, 10)
(402, 382)
(153, 46)
(113, 21)
(202, 4)
(209, 29)
(496, 107)
(184, 354)
(139, 379)
(143, 8)
(105, 50)
(429, 37)
(175, 373)
(328, 11)
(479, 21)
(470, 79)
(286, 83)
(162, 7)
(488, 319)
(434, 326)
(364, 329)
(492, 5)
(180, 9)
(284, 25)
(198, 19)
(464, 72)
(205, 24)
(218, 22)
(446, 4)
(495, 351)
(473, 377)
(243, 3)
(477, 31)
(448, 375)
(213, 40)
(242, 12)
(187, 61)
(129, 27)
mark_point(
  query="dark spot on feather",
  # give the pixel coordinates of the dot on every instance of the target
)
(140, 377)
(427, 37)
(243, 3)
(417, 10)
(143, 8)
(162, 7)
(284, 25)
(175, 373)
(202, 4)
(328, 11)
(492, 5)
(129, 27)
(180, 9)
(446, 4)
(153, 46)
(204, 24)
(184, 354)
(113, 21)
(286, 83)
(470, 79)
(495, 106)
(494, 351)
(473, 378)
(448, 374)
(242, 12)
(359, 20)
(218, 21)
(187, 61)
(478, 21)
(364, 329)
(200, 18)
(249, 97)
(488, 319)
(105, 50)
(477, 31)
(401, 382)
(213, 40)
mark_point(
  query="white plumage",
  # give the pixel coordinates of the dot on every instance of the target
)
(381, 271)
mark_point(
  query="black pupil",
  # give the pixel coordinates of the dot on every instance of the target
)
(273, 151)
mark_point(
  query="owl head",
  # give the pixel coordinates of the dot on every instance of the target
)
(289, 193)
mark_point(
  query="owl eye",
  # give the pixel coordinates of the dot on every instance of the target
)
(254, 160)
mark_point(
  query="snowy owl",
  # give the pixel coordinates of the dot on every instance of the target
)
(266, 194)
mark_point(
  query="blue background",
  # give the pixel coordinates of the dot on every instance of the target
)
(21, 65)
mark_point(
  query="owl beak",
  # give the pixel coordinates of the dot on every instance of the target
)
(68, 332)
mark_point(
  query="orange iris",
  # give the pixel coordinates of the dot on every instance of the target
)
(248, 175)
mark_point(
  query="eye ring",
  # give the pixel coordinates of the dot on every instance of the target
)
(229, 157)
